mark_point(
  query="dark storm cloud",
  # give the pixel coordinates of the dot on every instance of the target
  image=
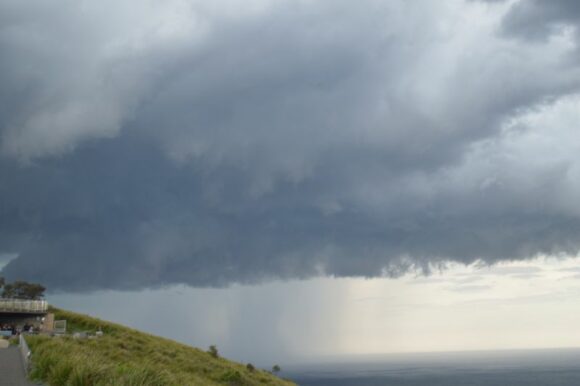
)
(208, 144)
(538, 20)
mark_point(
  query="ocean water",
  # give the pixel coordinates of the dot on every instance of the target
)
(503, 368)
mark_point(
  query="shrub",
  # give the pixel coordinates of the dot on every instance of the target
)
(213, 351)
(232, 378)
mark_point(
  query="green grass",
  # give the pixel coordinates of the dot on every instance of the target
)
(127, 357)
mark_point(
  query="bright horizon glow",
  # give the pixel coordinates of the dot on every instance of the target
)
(511, 305)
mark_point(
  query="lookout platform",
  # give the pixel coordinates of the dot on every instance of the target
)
(18, 315)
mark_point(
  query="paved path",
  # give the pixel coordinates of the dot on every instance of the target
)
(11, 369)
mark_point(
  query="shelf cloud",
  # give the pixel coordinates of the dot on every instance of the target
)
(172, 142)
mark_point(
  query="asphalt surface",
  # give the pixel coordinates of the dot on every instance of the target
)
(11, 368)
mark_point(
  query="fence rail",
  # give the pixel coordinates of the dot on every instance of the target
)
(24, 306)
(25, 354)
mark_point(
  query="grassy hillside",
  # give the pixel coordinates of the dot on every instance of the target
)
(127, 357)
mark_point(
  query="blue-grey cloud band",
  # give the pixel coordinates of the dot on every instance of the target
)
(182, 142)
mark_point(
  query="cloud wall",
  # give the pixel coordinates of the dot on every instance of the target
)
(181, 142)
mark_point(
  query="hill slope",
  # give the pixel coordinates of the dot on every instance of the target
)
(124, 356)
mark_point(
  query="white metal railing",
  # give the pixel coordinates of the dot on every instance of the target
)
(24, 353)
(25, 306)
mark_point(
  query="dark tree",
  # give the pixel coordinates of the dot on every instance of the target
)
(213, 351)
(276, 369)
(250, 367)
(22, 290)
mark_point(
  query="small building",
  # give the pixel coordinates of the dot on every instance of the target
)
(17, 314)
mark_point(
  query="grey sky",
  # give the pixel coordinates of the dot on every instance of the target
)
(330, 319)
(154, 143)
